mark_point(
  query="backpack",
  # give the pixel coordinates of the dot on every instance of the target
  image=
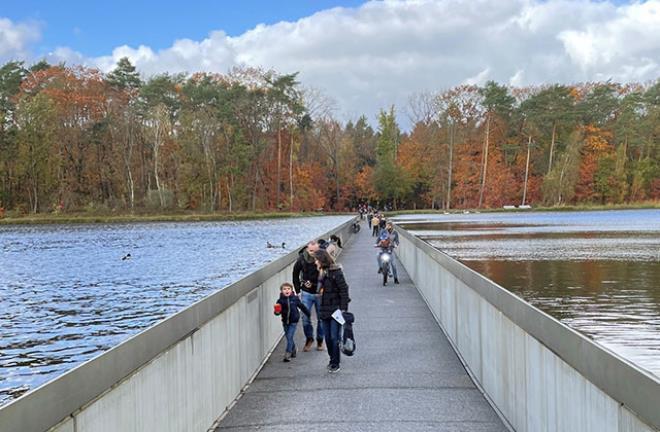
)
(347, 339)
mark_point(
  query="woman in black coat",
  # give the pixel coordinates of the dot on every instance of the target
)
(334, 295)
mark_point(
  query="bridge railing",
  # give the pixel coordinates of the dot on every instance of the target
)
(540, 374)
(179, 375)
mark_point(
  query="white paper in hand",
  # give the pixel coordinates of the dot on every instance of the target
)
(337, 315)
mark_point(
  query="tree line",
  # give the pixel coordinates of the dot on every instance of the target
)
(75, 139)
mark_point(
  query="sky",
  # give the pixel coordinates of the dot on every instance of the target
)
(363, 55)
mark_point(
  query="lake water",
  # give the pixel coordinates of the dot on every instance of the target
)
(598, 272)
(67, 295)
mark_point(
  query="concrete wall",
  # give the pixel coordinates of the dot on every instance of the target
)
(179, 375)
(540, 374)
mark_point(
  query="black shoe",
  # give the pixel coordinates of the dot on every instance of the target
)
(334, 369)
(380, 270)
(396, 281)
(287, 358)
(294, 353)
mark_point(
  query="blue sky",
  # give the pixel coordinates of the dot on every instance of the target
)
(94, 28)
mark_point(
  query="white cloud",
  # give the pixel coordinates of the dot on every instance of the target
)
(626, 46)
(382, 52)
(15, 39)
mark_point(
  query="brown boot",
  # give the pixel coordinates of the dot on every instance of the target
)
(308, 345)
(319, 346)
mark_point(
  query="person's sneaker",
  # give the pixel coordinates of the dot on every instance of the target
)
(308, 345)
(287, 357)
(334, 369)
(396, 281)
(319, 346)
(294, 353)
(380, 270)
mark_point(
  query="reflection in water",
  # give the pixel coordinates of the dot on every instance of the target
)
(616, 303)
(595, 271)
(67, 295)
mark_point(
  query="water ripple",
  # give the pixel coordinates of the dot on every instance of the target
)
(66, 295)
(597, 272)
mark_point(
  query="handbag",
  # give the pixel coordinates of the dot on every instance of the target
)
(347, 338)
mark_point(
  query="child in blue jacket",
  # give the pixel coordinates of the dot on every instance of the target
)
(287, 307)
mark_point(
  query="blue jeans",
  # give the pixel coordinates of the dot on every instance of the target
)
(392, 265)
(332, 333)
(308, 300)
(289, 332)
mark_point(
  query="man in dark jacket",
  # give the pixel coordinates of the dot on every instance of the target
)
(305, 282)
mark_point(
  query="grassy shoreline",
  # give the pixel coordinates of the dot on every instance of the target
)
(589, 207)
(87, 218)
(84, 218)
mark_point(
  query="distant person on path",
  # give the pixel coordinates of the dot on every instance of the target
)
(382, 222)
(287, 307)
(375, 221)
(333, 246)
(305, 282)
(334, 295)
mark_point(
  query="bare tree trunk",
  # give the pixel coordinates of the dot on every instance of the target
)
(449, 166)
(157, 144)
(230, 181)
(35, 207)
(254, 190)
(336, 186)
(485, 164)
(210, 171)
(621, 163)
(279, 168)
(127, 162)
(291, 173)
(552, 145)
(561, 179)
(529, 143)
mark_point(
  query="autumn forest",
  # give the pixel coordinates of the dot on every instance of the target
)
(73, 139)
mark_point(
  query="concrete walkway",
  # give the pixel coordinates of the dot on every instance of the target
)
(404, 375)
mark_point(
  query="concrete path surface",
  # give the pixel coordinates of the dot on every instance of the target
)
(404, 375)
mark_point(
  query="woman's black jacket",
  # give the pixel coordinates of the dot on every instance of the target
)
(335, 292)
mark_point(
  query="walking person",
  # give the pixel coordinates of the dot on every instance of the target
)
(334, 296)
(287, 307)
(305, 283)
(333, 246)
(375, 221)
